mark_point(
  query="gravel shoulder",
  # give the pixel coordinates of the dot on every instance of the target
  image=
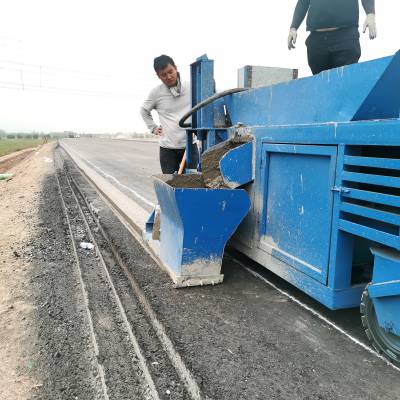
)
(46, 350)
(19, 220)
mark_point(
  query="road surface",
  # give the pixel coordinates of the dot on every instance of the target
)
(254, 329)
(129, 162)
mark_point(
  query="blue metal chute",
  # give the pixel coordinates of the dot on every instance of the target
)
(196, 223)
(370, 90)
(383, 102)
(236, 166)
(229, 164)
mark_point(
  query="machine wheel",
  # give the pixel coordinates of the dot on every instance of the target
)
(385, 343)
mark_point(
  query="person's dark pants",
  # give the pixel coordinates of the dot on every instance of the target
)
(326, 50)
(170, 159)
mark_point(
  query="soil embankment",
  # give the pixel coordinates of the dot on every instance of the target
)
(20, 200)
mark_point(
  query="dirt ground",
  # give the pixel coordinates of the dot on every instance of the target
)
(7, 162)
(18, 218)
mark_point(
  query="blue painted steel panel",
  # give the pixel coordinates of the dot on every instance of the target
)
(385, 199)
(380, 180)
(387, 163)
(236, 165)
(387, 262)
(210, 218)
(298, 201)
(387, 312)
(370, 233)
(171, 227)
(371, 213)
(342, 243)
(340, 94)
(383, 102)
(150, 222)
(382, 133)
(371, 133)
(196, 223)
(202, 87)
(385, 289)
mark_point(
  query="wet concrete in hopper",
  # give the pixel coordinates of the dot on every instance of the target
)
(210, 176)
(190, 181)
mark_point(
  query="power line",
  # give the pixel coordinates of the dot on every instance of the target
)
(42, 71)
(47, 67)
(52, 89)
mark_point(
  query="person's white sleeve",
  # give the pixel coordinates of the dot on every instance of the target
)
(145, 111)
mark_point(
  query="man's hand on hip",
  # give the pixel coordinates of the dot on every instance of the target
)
(157, 131)
(370, 23)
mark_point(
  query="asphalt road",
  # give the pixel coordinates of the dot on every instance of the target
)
(129, 165)
(130, 162)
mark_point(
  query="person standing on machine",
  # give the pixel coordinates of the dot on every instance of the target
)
(334, 39)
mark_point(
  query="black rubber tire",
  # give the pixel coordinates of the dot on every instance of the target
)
(383, 342)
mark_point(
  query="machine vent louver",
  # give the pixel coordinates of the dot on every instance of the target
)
(370, 201)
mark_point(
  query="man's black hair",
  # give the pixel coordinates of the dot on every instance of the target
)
(161, 62)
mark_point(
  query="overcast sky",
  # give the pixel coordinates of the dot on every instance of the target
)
(86, 65)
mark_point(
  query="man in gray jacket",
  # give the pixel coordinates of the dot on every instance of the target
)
(171, 100)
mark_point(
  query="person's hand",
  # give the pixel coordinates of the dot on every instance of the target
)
(157, 131)
(370, 23)
(292, 38)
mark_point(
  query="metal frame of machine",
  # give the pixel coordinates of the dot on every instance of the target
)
(324, 183)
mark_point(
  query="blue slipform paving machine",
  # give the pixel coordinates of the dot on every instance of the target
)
(306, 177)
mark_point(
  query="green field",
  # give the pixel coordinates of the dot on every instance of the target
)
(9, 145)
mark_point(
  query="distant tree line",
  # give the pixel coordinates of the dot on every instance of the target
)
(33, 135)
(21, 136)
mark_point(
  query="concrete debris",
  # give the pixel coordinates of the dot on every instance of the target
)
(86, 245)
(157, 224)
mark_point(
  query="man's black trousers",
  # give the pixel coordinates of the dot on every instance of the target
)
(170, 159)
(333, 49)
